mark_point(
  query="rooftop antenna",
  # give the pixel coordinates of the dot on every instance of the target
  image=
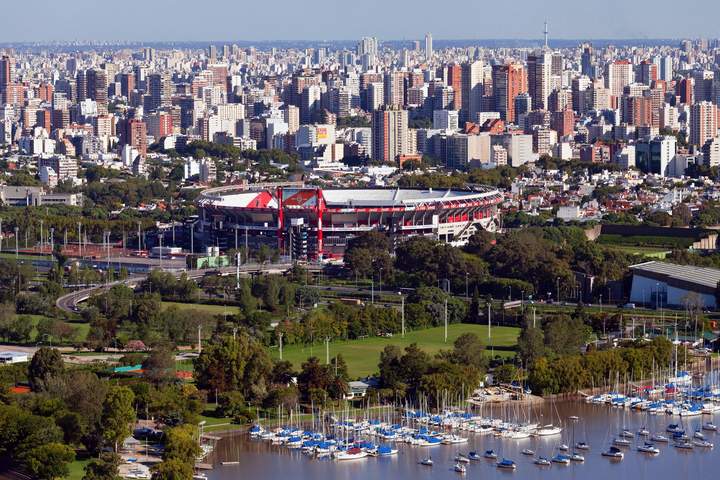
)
(545, 32)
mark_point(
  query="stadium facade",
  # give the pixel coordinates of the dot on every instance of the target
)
(315, 223)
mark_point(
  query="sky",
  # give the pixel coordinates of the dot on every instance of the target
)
(256, 20)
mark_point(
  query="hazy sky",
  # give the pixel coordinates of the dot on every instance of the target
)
(43, 20)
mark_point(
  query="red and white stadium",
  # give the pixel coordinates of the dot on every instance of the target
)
(316, 223)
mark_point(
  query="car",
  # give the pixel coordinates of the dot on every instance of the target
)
(629, 305)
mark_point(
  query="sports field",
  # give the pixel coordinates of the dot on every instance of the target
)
(362, 355)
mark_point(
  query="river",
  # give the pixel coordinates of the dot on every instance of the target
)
(597, 425)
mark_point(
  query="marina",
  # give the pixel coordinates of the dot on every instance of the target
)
(490, 452)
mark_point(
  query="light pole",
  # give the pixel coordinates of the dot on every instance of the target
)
(446, 320)
(557, 288)
(17, 230)
(402, 315)
(372, 290)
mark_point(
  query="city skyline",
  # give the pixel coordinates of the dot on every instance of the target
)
(138, 21)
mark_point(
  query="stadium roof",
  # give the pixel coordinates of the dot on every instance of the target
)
(687, 274)
(395, 197)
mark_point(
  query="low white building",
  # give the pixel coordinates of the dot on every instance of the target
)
(7, 357)
(666, 284)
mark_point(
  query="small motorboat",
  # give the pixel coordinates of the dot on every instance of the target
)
(490, 454)
(621, 442)
(648, 447)
(703, 444)
(428, 462)
(582, 446)
(474, 456)
(506, 464)
(561, 459)
(460, 458)
(542, 462)
(574, 418)
(659, 438)
(710, 427)
(643, 432)
(563, 448)
(460, 468)
(576, 457)
(527, 451)
(613, 452)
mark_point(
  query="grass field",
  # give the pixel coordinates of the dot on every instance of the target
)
(82, 329)
(362, 356)
(211, 309)
(651, 252)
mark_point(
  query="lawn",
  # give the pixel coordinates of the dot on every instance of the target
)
(211, 309)
(362, 355)
(77, 469)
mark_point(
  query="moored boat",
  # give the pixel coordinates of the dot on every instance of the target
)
(506, 464)
(613, 452)
(542, 462)
(648, 447)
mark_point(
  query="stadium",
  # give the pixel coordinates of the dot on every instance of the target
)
(314, 223)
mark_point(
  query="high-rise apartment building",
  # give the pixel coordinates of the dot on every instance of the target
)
(703, 123)
(389, 133)
(618, 75)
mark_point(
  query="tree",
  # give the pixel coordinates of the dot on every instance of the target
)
(181, 443)
(118, 415)
(239, 363)
(531, 345)
(49, 461)
(159, 366)
(468, 349)
(45, 364)
(174, 469)
(505, 373)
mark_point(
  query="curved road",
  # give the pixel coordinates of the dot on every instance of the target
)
(70, 301)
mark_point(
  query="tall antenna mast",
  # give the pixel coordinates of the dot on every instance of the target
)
(545, 32)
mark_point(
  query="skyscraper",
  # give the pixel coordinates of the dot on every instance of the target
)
(160, 90)
(539, 70)
(508, 82)
(454, 80)
(389, 133)
(586, 62)
(97, 88)
(7, 72)
(428, 47)
(472, 90)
